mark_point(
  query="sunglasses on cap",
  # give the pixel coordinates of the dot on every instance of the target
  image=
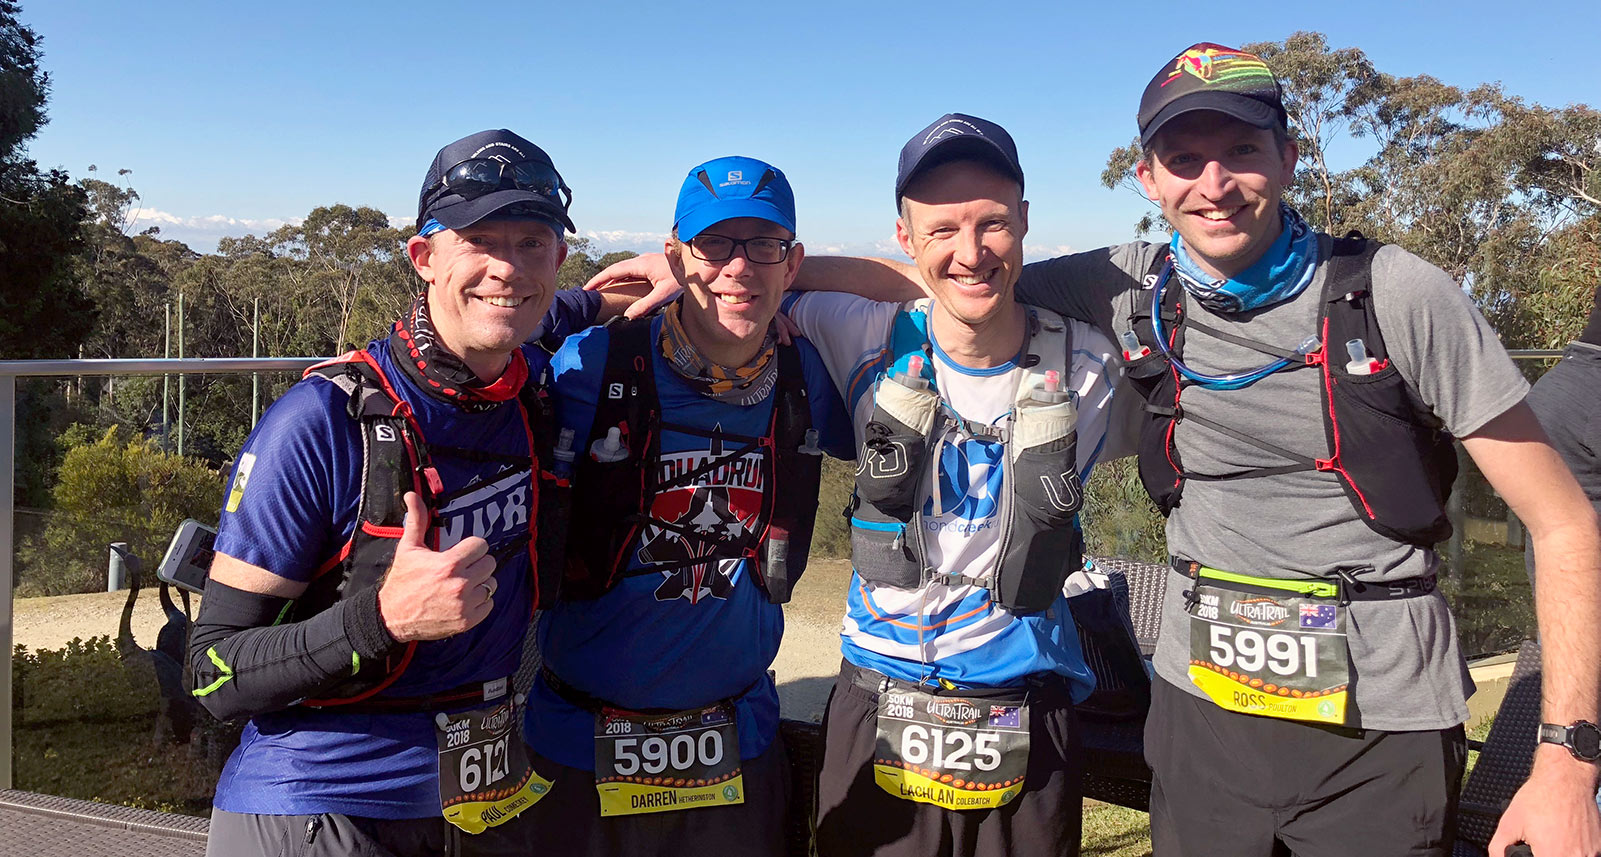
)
(475, 177)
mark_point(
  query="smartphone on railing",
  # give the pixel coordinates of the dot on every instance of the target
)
(188, 559)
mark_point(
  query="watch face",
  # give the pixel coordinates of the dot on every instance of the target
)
(1586, 740)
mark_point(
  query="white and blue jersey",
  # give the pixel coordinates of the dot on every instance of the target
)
(936, 631)
(688, 637)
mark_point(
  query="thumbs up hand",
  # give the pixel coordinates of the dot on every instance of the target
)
(429, 594)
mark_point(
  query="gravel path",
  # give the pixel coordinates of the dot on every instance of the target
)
(51, 621)
(807, 661)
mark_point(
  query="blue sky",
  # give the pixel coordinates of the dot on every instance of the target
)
(237, 117)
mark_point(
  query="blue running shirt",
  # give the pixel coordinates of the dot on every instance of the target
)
(681, 639)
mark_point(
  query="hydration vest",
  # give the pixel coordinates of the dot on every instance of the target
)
(614, 497)
(396, 459)
(1391, 454)
(1041, 543)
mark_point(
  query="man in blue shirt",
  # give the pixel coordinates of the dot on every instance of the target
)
(370, 639)
(697, 439)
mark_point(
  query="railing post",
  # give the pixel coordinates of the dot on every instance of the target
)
(8, 472)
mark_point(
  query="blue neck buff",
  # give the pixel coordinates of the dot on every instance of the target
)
(1283, 272)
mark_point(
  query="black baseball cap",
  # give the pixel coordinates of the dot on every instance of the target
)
(1207, 76)
(957, 136)
(453, 210)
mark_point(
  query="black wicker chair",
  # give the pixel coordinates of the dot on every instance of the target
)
(1505, 759)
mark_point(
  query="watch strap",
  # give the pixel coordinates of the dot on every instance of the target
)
(1581, 738)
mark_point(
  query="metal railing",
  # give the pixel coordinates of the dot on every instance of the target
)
(13, 369)
(10, 371)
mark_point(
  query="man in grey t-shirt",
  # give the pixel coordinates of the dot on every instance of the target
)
(1310, 689)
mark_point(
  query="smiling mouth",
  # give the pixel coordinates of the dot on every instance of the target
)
(970, 279)
(504, 303)
(734, 299)
(1219, 214)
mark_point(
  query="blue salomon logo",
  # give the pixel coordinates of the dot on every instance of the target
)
(969, 480)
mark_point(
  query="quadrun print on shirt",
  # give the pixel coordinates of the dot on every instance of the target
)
(723, 504)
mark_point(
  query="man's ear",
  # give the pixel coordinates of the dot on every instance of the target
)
(1292, 153)
(792, 263)
(1142, 171)
(420, 252)
(674, 250)
(903, 235)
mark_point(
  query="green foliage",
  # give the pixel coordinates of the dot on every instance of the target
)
(831, 537)
(42, 311)
(581, 263)
(1119, 519)
(113, 490)
(1491, 599)
(84, 721)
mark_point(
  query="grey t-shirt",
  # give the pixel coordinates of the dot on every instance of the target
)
(1567, 401)
(1408, 672)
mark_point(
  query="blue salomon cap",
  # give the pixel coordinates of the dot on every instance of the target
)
(732, 187)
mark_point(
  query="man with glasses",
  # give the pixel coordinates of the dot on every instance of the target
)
(695, 440)
(1302, 394)
(950, 731)
(374, 573)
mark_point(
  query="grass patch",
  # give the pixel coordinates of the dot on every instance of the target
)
(84, 726)
(1115, 831)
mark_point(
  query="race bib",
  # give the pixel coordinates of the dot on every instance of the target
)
(667, 762)
(953, 752)
(1280, 655)
(485, 778)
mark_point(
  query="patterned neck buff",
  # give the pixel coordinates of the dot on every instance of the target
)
(742, 385)
(415, 346)
(1283, 272)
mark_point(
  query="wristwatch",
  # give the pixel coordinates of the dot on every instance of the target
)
(1582, 738)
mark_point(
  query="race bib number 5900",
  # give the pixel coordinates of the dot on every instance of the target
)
(1276, 656)
(953, 752)
(661, 763)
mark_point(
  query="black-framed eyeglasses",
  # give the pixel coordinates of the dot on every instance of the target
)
(708, 247)
(475, 177)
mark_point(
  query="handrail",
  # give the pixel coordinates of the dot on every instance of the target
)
(10, 370)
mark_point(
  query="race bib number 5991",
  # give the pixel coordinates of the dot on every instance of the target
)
(1276, 656)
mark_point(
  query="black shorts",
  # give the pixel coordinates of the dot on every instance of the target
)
(1250, 786)
(333, 835)
(567, 821)
(857, 817)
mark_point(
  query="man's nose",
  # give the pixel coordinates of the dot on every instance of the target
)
(969, 248)
(1216, 180)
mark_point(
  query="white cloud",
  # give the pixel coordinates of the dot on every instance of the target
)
(610, 240)
(221, 224)
(1037, 252)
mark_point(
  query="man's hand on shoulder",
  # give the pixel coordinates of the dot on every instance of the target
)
(651, 268)
(429, 594)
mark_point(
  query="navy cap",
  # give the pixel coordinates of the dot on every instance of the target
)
(731, 187)
(957, 136)
(454, 211)
(1212, 77)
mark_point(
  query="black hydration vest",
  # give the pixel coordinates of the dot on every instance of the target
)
(1391, 454)
(396, 459)
(612, 499)
(1041, 543)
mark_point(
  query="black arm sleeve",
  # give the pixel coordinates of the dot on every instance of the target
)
(245, 663)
